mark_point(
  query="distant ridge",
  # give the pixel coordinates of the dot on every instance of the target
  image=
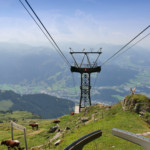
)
(41, 104)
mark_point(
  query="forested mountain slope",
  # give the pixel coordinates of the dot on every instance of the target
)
(41, 104)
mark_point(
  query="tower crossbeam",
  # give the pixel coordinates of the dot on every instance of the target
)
(85, 69)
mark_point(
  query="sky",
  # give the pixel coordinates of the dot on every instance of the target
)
(86, 22)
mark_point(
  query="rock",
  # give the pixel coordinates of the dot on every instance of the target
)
(148, 121)
(53, 129)
(141, 113)
(55, 137)
(84, 119)
(93, 117)
(57, 130)
(148, 108)
(57, 142)
(67, 128)
(136, 103)
(96, 119)
(136, 108)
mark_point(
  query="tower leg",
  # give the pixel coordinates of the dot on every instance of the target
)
(85, 99)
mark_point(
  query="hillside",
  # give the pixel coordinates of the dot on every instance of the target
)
(43, 105)
(100, 117)
(30, 70)
(8, 116)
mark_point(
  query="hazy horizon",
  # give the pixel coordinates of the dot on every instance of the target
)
(87, 22)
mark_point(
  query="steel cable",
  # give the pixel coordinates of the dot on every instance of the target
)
(134, 44)
(124, 52)
(37, 24)
(125, 46)
(54, 43)
(47, 36)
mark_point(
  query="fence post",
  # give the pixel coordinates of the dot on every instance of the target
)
(12, 137)
(25, 139)
(19, 127)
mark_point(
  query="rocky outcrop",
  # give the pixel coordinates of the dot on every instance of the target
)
(57, 142)
(53, 129)
(84, 119)
(138, 103)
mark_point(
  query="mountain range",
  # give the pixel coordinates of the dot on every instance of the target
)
(29, 70)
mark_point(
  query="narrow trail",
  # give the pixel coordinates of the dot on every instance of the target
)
(36, 132)
(146, 133)
(32, 133)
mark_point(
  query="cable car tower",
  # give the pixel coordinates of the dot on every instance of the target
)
(85, 69)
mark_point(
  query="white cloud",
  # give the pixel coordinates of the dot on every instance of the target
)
(81, 28)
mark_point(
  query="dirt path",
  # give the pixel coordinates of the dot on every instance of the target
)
(36, 132)
(146, 133)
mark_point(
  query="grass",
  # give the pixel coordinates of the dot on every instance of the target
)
(114, 118)
(107, 118)
(33, 137)
(17, 115)
(140, 100)
(5, 105)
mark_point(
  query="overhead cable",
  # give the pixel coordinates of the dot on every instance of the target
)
(74, 84)
(134, 44)
(49, 37)
(124, 52)
(37, 23)
(54, 43)
(124, 46)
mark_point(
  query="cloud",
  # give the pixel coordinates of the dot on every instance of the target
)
(82, 28)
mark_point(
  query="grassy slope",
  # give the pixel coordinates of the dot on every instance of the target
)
(5, 105)
(35, 103)
(19, 115)
(112, 118)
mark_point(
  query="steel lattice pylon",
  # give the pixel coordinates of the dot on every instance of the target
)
(85, 70)
(85, 98)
